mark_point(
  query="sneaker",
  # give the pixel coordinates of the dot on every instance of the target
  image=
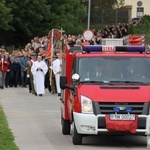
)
(59, 94)
(40, 95)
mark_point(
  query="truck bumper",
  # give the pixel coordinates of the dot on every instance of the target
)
(88, 124)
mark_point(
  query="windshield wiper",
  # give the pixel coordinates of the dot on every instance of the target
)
(91, 82)
(97, 82)
(128, 82)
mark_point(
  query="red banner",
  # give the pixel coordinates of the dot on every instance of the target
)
(49, 50)
(56, 34)
(137, 39)
(121, 125)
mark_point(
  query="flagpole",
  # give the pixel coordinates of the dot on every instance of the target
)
(51, 57)
(61, 31)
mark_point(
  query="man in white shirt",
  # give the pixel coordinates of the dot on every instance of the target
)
(57, 69)
(39, 69)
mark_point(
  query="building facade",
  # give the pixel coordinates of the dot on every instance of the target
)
(138, 8)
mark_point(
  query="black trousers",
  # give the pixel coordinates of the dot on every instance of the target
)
(7, 79)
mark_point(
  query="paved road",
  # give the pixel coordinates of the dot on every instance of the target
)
(35, 123)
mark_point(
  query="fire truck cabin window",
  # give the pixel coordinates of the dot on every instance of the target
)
(114, 69)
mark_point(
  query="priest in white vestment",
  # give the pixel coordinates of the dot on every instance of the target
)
(39, 69)
(57, 69)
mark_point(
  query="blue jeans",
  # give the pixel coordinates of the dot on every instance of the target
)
(24, 78)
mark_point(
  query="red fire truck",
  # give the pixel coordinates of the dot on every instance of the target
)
(105, 89)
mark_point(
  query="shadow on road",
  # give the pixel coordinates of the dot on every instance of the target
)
(117, 141)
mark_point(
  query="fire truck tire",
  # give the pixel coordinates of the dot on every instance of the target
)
(65, 126)
(76, 137)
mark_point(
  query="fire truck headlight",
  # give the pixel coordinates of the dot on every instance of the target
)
(86, 105)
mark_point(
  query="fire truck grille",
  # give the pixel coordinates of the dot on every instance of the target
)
(107, 107)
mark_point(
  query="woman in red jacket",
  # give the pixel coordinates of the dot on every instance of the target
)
(4, 64)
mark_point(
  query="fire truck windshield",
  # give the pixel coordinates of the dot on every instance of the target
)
(114, 70)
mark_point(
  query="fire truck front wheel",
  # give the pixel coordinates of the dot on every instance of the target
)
(76, 137)
(65, 126)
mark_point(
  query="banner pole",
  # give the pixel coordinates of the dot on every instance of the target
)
(51, 59)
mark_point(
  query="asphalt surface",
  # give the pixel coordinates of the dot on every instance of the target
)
(35, 123)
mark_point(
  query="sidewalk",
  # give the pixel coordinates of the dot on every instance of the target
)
(32, 118)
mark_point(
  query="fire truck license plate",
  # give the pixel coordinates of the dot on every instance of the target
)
(122, 117)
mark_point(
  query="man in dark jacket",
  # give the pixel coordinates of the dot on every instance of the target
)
(15, 68)
(23, 64)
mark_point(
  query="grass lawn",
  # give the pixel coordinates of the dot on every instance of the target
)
(6, 136)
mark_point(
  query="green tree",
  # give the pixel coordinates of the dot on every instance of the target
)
(21, 20)
(67, 14)
(30, 18)
(5, 16)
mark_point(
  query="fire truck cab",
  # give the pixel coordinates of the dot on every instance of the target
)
(105, 89)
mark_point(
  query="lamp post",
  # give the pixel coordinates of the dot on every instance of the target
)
(89, 12)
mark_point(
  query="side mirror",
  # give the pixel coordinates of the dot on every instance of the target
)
(63, 82)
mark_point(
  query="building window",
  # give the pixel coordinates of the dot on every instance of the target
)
(140, 11)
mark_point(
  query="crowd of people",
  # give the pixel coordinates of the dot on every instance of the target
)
(110, 31)
(30, 66)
